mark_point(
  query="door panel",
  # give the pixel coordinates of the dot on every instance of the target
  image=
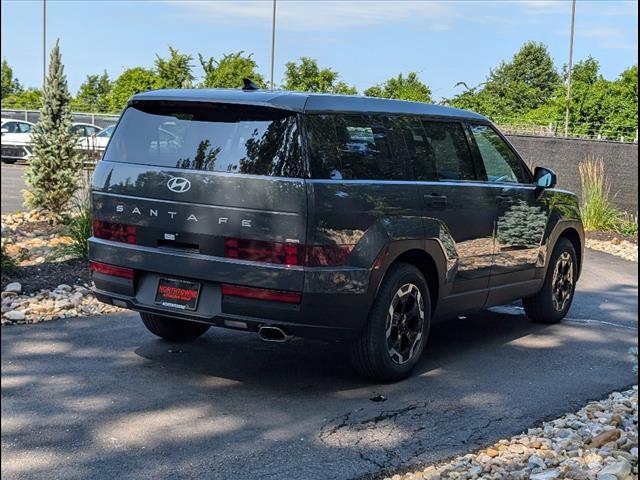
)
(521, 222)
(521, 215)
(468, 212)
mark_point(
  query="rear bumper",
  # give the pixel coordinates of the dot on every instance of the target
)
(335, 302)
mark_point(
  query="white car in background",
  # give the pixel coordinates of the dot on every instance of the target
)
(16, 140)
(98, 141)
(84, 130)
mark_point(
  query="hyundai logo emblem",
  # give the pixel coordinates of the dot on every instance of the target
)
(178, 184)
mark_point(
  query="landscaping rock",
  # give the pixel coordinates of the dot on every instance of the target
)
(15, 315)
(14, 287)
(585, 445)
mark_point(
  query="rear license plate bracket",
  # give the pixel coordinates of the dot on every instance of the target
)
(177, 293)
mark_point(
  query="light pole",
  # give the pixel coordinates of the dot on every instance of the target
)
(568, 105)
(273, 41)
(44, 42)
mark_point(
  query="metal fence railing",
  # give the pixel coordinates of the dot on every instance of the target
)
(585, 131)
(102, 120)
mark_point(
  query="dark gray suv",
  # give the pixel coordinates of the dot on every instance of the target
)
(335, 217)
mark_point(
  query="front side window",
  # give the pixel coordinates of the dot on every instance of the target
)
(449, 151)
(24, 127)
(500, 163)
(211, 137)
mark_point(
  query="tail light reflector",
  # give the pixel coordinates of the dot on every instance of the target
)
(286, 253)
(112, 270)
(116, 232)
(261, 294)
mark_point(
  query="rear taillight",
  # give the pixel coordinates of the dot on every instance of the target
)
(258, 251)
(286, 253)
(261, 294)
(112, 270)
(116, 232)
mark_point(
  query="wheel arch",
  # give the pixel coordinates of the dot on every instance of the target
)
(426, 257)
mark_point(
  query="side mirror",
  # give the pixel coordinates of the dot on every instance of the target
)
(5, 130)
(545, 178)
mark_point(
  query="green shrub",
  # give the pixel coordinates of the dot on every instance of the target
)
(78, 226)
(627, 227)
(598, 213)
(8, 262)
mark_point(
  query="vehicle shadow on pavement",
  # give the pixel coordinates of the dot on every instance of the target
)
(101, 398)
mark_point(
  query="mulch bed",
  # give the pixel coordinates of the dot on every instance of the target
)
(608, 236)
(48, 275)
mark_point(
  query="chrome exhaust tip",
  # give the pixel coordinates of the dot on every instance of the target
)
(269, 333)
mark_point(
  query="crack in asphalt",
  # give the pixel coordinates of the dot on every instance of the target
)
(400, 436)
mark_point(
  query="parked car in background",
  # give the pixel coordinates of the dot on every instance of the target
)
(326, 216)
(85, 130)
(16, 140)
(98, 141)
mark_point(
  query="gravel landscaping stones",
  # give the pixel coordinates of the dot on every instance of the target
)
(621, 248)
(599, 442)
(42, 286)
(64, 301)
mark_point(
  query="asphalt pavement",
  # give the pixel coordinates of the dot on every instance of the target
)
(102, 398)
(12, 184)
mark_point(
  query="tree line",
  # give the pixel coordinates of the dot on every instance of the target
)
(527, 88)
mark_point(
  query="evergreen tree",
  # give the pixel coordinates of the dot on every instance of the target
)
(54, 169)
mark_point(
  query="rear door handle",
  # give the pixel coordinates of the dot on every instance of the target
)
(436, 200)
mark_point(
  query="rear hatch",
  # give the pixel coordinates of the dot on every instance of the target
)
(183, 187)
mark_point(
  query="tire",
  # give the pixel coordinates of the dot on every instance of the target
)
(9, 161)
(173, 329)
(551, 304)
(374, 354)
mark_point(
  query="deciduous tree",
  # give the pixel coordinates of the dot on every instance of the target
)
(402, 88)
(130, 82)
(306, 76)
(230, 70)
(175, 71)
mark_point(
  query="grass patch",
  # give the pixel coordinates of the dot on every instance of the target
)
(598, 212)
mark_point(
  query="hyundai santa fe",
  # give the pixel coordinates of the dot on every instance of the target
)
(343, 218)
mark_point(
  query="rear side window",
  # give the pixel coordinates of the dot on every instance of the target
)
(449, 151)
(388, 147)
(353, 147)
(211, 137)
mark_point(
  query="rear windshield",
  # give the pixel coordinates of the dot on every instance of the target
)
(212, 137)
